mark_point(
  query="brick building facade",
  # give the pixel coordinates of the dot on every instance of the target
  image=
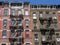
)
(24, 24)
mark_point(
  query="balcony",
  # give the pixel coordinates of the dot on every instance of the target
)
(16, 37)
(16, 16)
(42, 18)
(44, 27)
(45, 17)
(16, 27)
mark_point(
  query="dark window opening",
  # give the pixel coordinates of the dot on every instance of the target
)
(5, 22)
(3, 44)
(12, 21)
(4, 33)
(36, 36)
(16, 4)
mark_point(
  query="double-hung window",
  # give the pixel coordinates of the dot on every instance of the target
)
(5, 22)
(19, 11)
(12, 11)
(26, 12)
(4, 33)
(6, 11)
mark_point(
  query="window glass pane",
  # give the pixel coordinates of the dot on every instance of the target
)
(35, 23)
(27, 30)
(19, 22)
(5, 22)
(47, 13)
(34, 16)
(55, 25)
(36, 36)
(54, 14)
(41, 14)
(12, 21)
(27, 43)
(12, 43)
(4, 33)
(26, 21)
(36, 43)
(6, 11)
(13, 11)
(3, 44)
(19, 11)
(26, 11)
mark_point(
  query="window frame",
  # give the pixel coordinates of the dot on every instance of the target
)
(19, 11)
(26, 12)
(6, 11)
(27, 22)
(12, 21)
(5, 22)
(27, 43)
(4, 33)
(34, 15)
(12, 11)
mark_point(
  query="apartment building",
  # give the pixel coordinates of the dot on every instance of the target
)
(46, 24)
(15, 23)
(26, 23)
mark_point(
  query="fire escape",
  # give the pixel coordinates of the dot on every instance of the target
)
(47, 30)
(16, 28)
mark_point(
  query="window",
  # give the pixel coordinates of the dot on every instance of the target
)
(55, 24)
(13, 11)
(27, 30)
(26, 12)
(27, 43)
(4, 33)
(54, 15)
(36, 43)
(27, 22)
(12, 21)
(3, 44)
(43, 38)
(12, 43)
(35, 24)
(41, 14)
(36, 36)
(47, 13)
(27, 33)
(19, 11)
(34, 16)
(6, 11)
(49, 23)
(5, 22)
(19, 22)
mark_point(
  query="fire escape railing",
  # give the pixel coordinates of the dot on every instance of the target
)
(47, 30)
(16, 30)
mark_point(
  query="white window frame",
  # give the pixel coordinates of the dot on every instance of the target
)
(34, 16)
(26, 12)
(19, 11)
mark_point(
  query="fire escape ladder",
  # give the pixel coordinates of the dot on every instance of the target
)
(15, 23)
(15, 34)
